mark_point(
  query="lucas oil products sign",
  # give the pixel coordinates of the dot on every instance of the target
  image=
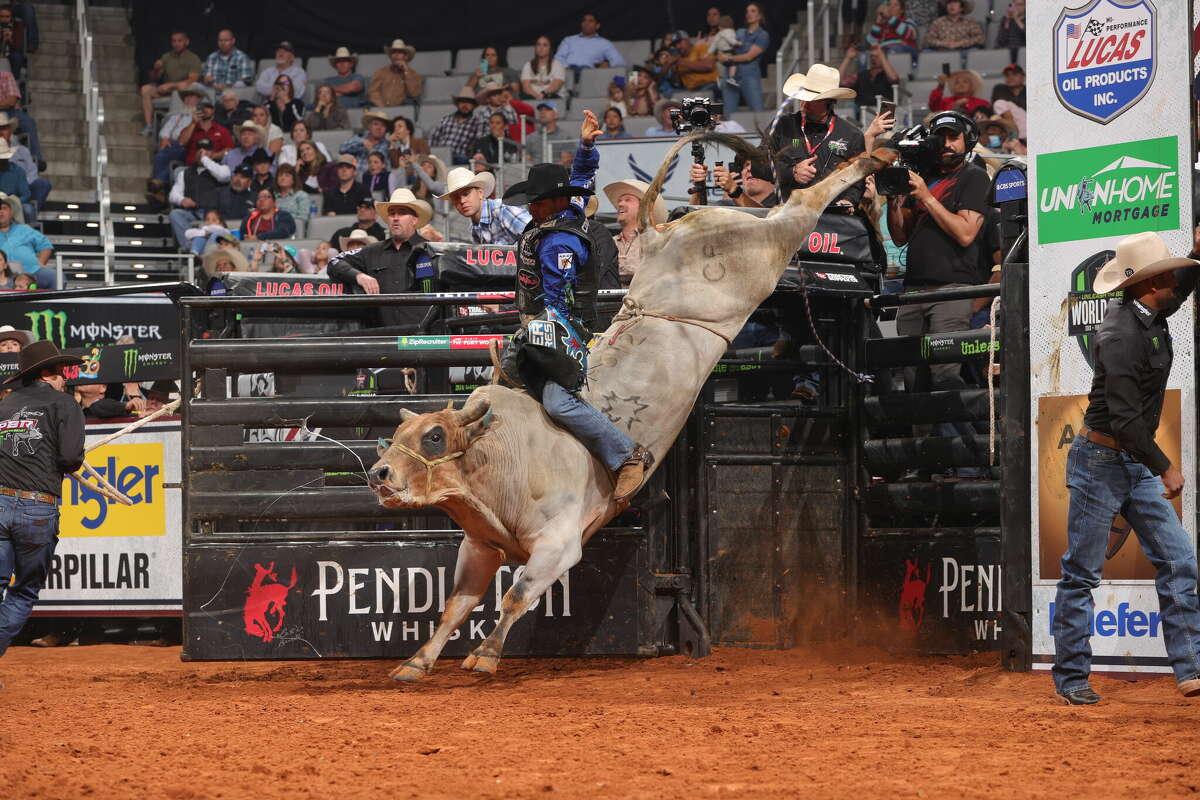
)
(1105, 57)
(114, 558)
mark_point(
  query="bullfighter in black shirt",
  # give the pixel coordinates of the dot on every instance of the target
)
(1114, 467)
(41, 439)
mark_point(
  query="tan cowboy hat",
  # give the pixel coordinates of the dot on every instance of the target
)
(489, 84)
(405, 198)
(13, 202)
(976, 81)
(593, 205)
(209, 262)
(367, 116)
(342, 54)
(658, 214)
(252, 126)
(398, 44)
(439, 166)
(356, 236)
(8, 122)
(967, 6)
(39, 355)
(461, 178)
(466, 95)
(819, 83)
(1138, 257)
(20, 337)
(6, 152)
(666, 102)
(1002, 121)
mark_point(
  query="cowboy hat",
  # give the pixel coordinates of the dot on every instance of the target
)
(164, 387)
(8, 122)
(342, 54)
(461, 178)
(658, 214)
(439, 166)
(975, 77)
(9, 332)
(544, 182)
(367, 116)
(406, 199)
(398, 44)
(593, 205)
(665, 103)
(14, 203)
(357, 236)
(819, 83)
(209, 262)
(6, 152)
(997, 119)
(464, 95)
(191, 91)
(488, 85)
(967, 6)
(248, 125)
(40, 355)
(1138, 257)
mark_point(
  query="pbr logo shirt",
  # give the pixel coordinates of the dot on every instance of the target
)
(41, 438)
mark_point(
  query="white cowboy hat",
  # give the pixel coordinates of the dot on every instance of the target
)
(262, 133)
(439, 166)
(7, 121)
(356, 236)
(1138, 257)
(13, 202)
(6, 152)
(209, 263)
(819, 83)
(9, 332)
(405, 198)
(398, 44)
(658, 214)
(462, 178)
(340, 54)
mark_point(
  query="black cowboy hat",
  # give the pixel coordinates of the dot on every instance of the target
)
(163, 386)
(544, 182)
(260, 156)
(40, 355)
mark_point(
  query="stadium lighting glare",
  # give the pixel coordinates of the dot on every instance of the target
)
(73, 206)
(93, 224)
(135, 241)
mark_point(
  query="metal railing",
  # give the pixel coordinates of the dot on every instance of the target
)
(824, 13)
(97, 147)
(133, 256)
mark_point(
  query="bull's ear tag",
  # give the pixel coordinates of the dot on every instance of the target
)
(383, 445)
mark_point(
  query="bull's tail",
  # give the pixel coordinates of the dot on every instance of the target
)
(735, 143)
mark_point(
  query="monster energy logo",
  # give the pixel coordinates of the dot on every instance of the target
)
(131, 362)
(925, 349)
(49, 325)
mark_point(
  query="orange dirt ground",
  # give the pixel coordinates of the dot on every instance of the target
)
(134, 722)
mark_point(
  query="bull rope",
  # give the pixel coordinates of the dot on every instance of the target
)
(632, 311)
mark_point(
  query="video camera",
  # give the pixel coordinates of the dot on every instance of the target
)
(696, 113)
(919, 151)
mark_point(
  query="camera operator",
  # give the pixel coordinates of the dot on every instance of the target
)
(748, 184)
(939, 218)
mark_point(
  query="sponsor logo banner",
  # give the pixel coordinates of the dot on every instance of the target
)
(136, 470)
(1104, 57)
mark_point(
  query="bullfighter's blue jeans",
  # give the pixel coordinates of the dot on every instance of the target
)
(1103, 483)
(607, 442)
(28, 536)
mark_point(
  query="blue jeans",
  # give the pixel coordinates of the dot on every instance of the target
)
(749, 89)
(1103, 483)
(163, 159)
(181, 220)
(28, 536)
(27, 126)
(597, 432)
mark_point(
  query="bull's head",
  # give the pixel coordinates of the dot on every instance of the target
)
(419, 466)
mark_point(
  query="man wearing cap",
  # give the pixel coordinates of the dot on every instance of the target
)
(394, 265)
(235, 200)
(459, 129)
(347, 84)
(557, 280)
(27, 247)
(177, 69)
(266, 221)
(345, 197)
(285, 64)
(195, 190)
(41, 440)
(547, 133)
(205, 126)
(368, 222)
(395, 83)
(227, 67)
(626, 197)
(1013, 88)
(815, 141)
(492, 220)
(1115, 467)
(373, 140)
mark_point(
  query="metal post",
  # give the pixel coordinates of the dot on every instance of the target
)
(58, 268)
(191, 268)
(1016, 642)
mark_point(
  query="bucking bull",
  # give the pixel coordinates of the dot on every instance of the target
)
(525, 490)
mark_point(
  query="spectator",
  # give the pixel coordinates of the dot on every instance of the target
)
(21, 157)
(233, 111)
(267, 221)
(210, 229)
(10, 102)
(227, 67)
(159, 394)
(894, 32)
(922, 12)
(854, 15)
(626, 197)
(642, 94)
(403, 143)
(367, 221)
(749, 184)
(11, 340)
(876, 81)
(1011, 110)
(314, 262)
(283, 258)
(272, 134)
(754, 42)
(662, 71)
(815, 141)
(169, 147)
(285, 108)
(459, 129)
(1012, 29)
(616, 94)
(285, 64)
(178, 68)
(430, 178)
(14, 185)
(290, 199)
(357, 240)
(373, 140)
(614, 125)
(378, 177)
(13, 43)
(966, 91)
(196, 189)
(327, 113)
(91, 398)
(696, 70)
(261, 166)
(310, 164)
(955, 31)
(250, 138)
(498, 98)
(348, 193)
(300, 132)
(548, 142)
(981, 114)
(225, 259)
(725, 42)
(235, 201)
(492, 222)
(349, 87)
(999, 135)
(27, 248)
(588, 48)
(396, 83)
(662, 112)
(1013, 88)
(496, 147)
(206, 127)
(543, 75)
(389, 266)
(24, 283)
(491, 65)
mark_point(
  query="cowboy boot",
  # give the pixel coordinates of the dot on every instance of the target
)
(629, 476)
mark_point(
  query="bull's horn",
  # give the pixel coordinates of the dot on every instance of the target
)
(406, 415)
(475, 408)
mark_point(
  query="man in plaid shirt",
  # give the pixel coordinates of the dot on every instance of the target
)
(227, 66)
(459, 130)
(492, 222)
(10, 101)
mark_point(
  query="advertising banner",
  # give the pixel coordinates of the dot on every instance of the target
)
(115, 363)
(117, 559)
(1120, 85)
(85, 322)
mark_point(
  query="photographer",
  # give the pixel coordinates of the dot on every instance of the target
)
(940, 221)
(748, 185)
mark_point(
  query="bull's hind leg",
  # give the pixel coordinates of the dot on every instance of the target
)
(557, 550)
(477, 564)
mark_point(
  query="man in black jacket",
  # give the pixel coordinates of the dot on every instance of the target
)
(41, 440)
(815, 141)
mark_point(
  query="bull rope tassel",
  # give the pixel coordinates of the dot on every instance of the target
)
(991, 380)
(632, 310)
(429, 464)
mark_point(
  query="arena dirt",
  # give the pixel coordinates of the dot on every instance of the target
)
(135, 722)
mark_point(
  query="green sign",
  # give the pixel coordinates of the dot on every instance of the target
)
(1114, 190)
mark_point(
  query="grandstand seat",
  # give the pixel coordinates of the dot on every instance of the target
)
(635, 51)
(318, 67)
(332, 139)
(594, 82)
(919, 91)
(246, 93)
(370, 62)
(432, 62)
(901, 62)
(929, 65)
(440, 88)
(443, 153)
(323, 227)
(519, 55)
(432, 113)
(988, 62)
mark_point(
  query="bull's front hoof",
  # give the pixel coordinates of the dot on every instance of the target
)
(481, 663)
(408, 673)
